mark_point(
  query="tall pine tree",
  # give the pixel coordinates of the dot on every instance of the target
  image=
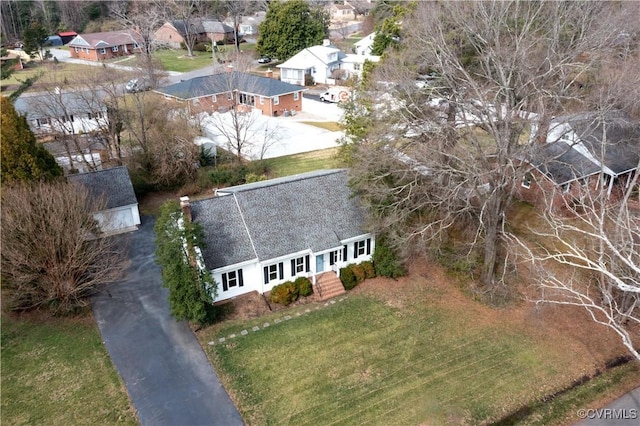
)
(23, 159)
(290, 27)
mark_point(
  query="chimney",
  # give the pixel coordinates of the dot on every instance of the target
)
(326, 42)
(185, 205)
(268, 73)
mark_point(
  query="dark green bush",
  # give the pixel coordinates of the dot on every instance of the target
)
(369, 269)
(385, 261)
(304, 286)
(359, 273)
(348, 278)
(284, 293)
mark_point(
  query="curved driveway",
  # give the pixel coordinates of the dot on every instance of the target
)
(167, 374)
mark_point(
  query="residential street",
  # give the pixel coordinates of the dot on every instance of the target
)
(167, 375)
(624, 411)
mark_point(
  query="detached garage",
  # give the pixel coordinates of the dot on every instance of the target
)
(121, 214)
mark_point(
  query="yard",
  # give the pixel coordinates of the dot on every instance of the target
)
(304, 162)
(412, 351)
(177, 59)
(58, 372)
(63, 71)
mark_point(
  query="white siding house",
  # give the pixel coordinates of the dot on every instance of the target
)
(319, 62)
(363, 47)
(263, 234)
(121, 213)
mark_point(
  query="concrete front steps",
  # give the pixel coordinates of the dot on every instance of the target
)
(328, 285)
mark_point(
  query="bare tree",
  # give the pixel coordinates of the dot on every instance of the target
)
(446, 154)
(48, 256)
(144, 18)
(591, 260)
(161, 140)
(190, 24)
(242, 128)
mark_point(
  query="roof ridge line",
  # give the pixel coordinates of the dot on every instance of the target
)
(244, 223)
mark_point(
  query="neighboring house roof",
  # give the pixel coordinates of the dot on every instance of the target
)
(278, 217)
(226, 82)
(580, 145)
(306, 57)
(561, 163)
(201, 26)
(67, 33)
(113, 184)
(359, 59)
(610, 139)
(106, 39)
(45, 104)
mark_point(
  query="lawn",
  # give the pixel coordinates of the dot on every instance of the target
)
(59, 373)
(419, 357)
(177, 59)
(304, 162)
(63, 71)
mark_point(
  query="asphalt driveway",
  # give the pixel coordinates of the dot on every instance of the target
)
(167, 374)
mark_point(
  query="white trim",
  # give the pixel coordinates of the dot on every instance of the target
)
(234, 267)
(358, 238)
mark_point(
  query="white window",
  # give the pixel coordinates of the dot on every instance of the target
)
(526, 181)
(114, 48)
(335, 257)
(356, 67)
(276, 100)
(361, 248)
(296, 96)
(103, 50)
(232, 279)
(229, 96)
(214, 98)
(261, 100)
(76, 49)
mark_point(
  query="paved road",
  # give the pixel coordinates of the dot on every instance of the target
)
(167, 374)
(624, 411)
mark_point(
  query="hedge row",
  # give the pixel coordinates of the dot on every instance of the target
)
(352, 275)
(289, 291)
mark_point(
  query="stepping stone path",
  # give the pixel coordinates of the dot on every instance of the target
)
(278, 321)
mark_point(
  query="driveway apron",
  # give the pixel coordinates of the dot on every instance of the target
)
(166, 372)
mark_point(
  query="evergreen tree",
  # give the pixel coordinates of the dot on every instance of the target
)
(34, 41)
(192, 289)
(290, 27)
(23, 159)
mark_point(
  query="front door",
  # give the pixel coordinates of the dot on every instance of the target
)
(319, 263)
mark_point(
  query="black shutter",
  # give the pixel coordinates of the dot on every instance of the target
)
(344, 254)
(306, 261)
(368, 245)
(240, 282)
(281, 267)
(332, 258)
(266, 275)
(225, 287)
(355, 249)
(293, 267)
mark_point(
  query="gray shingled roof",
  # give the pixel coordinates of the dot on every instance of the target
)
(612, 135)
(279, 217)
(113, 184)
(226, 82)
(561, 163)
(45, 104)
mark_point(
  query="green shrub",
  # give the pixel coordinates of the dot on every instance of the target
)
(284, 293)
(359, 273)
(369, 269)
(348, 278)
(385, 261)
(304, 286)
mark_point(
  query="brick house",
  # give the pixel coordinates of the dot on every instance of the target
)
(583, 153)
(222, 91)
(107, 45)
(173, 33)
